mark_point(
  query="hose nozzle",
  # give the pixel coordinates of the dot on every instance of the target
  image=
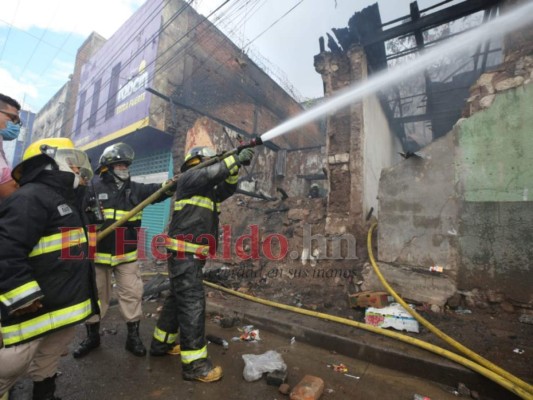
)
(252, 143)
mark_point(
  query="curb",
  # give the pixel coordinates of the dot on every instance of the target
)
(357, 343)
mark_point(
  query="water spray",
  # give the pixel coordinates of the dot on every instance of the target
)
(516, 19)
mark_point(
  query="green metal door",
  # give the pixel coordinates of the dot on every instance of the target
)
(153, 168)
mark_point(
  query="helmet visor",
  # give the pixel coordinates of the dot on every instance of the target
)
(75, 161)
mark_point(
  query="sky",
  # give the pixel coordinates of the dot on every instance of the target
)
(39, 39)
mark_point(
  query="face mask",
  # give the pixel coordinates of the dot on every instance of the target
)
(11, 131)
(122, 174)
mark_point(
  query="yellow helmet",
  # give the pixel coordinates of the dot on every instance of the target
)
(195, 156)
(61, 151)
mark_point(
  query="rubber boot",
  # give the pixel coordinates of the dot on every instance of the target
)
(44, 390)
(133, 341)
(160, 349)
(91, 342)
(202, 371)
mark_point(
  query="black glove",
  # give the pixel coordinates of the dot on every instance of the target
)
(245, 156)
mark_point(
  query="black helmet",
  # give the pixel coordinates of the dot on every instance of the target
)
(115, 154)
(196, 155)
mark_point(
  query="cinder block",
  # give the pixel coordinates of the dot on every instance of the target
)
(309, 388)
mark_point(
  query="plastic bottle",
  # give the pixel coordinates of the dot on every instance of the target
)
(216, 340)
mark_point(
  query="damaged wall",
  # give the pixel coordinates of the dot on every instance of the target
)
(359, 144)
(493, 168)
(466, 204)
(204, 71)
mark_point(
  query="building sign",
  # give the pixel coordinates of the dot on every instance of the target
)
(112, 100)
(132, 92)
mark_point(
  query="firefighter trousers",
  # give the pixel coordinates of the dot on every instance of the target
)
(129, 290)
(38, 358)
(184, 308)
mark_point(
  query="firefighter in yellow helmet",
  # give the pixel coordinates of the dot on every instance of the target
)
(117, 253)
(199, 193)
(47, 283)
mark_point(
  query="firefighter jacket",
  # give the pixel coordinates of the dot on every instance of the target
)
(120, 246)
(44, 256)
(199, 192)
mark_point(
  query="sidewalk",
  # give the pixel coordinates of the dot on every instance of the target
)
(357, 343)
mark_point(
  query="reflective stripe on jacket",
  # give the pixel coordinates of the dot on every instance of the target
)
(199, 192)
(43, 256)
(121, 246)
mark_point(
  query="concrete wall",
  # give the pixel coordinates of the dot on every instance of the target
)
(496, 215)
(89, 47)
(418, 209)
(466, 205)
(381, 147)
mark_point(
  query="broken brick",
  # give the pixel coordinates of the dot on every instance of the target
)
(309, 388)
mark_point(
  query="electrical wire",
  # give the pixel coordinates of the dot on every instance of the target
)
(9, 30)
(39, 41)
(127, 62)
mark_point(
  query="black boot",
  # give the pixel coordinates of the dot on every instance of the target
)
(159, 349)
(44, 390)
(133, 341)
(91, 342)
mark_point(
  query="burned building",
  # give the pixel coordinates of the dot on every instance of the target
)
(459, 199)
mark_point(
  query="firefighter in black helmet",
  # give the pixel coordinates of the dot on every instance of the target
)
(199, 193)
(117, 252)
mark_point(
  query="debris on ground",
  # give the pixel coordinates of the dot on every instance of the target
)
(256, 365)
(217, 340)
(352, 376)
(338, 367)
(393, 316)
(370, 298)
(249, 334)
(309, 388)
(277, 377)
(284, 389)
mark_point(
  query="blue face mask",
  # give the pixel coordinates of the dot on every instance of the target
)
(11, 131)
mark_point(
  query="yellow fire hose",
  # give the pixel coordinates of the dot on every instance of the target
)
(495, 377)
(469, 353)
(512, 387)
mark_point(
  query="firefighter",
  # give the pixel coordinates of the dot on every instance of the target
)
(117, 253)
(47, 283)
(194, 226)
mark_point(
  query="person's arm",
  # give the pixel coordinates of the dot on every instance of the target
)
(22, 223)
(202, 179)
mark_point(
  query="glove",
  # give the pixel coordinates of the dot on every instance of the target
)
(245, 156)
(170, 191)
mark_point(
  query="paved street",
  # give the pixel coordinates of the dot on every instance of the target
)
(112, 373)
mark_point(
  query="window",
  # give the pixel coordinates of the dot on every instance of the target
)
(94, 103)
(113, 89)
(81, 106)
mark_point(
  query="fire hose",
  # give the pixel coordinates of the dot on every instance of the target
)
(149, 200)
